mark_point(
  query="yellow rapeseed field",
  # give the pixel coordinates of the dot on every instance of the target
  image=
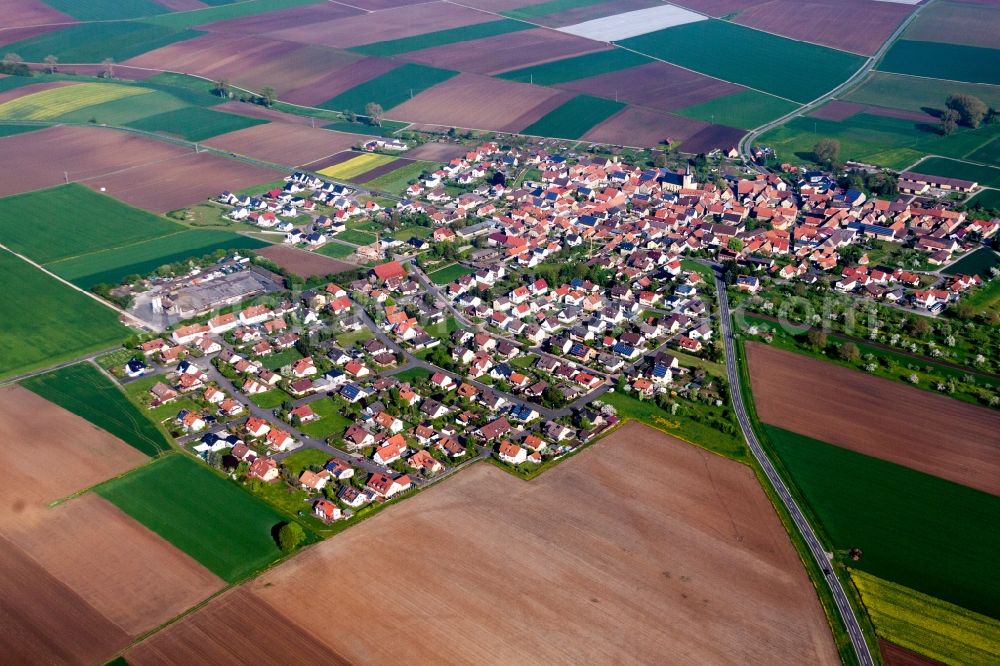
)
(916, 621)
(54, 102)
(355, 166)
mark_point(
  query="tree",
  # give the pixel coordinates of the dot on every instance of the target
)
(50, 63)
(268, 95)
(14, 64)
(827, 151)
(109, 68)
(971, 109)
(351, 116)
(660, 160)
(817, 339)
(374, 112)
(735, 244)
(222, 88)
(949, 121)
(849, 352)
(290, 536)
(919, 327)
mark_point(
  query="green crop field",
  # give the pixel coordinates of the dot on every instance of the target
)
(929, 626)
(449, 274)
(11, 130)
(46, 322)
(746, 109)
(224, 12)
(70, 220)
(209, 518)
(395, 182)
(574, 118)
(330, 422)
(721, 49)
(390, 89)
(394, 47)
(110, 266)
(955, 62)
(550, 7)
(93, 42)
(388, 128)
(911, 93)
(99, 10)
(940, 166)
(988, 154)
(577, 67)
(194, 123)
(976, 263)
(85, 391)
(987, 199)
(914, 529)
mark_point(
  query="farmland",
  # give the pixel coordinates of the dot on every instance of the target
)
(714, 578)
(956, 62)
(716, 48)
(93, 42)
(987, 199)
(194, 123)
(83, 390)
(54, 102)
(204, 515)
(578, 67)
(975, 263)
(305, 264)
(927, 432)
(746, 109)
(46, 322)
(356, 166)
(284, 143)
(637, 126)
(428, 40)
(958, 23)
(96, 10)
(574, 118)
(942, 166)
(113, 265)
(911, 93)
(929, 626)
(396, 181)
(389, 89)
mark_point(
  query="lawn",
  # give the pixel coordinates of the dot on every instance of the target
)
(305, 459)
(280, 359)
(70, 220)
(85, 391)
(395, 182)
(720, 49)
(351, 338)
(577, 67)
(955, 62)
(388, 127)
(917, 530)
(209, 518)
(987, 200)
(574, 118)
(449, 274)
(550, 7)
(524, 360)
(336, 250)
(46, 322)
(111, 266)
(412, 375)
(55, 102)
(910, 93)
(194, 123)
(270, 399)
(443, 329)
(746, 109)
(941, 166)
(389, 89)
(93, 42)
(937, 629)
(356, 166)
(356, 237)
(427, 40)
(99, 10)
(974, 263)
(681, 426)
(138, 391)
(330, 421)
(406, 233)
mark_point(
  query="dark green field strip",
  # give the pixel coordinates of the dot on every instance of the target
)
(914, 529)
(987, 199)
(979, 262)
(69, 220)
(112, 266)
(389, 89)
(101, 10)
(195, 123)
(940, 166)
(745, 109)
(83, 390)
(45, 322)
(429, 40)
(742, 55)
(577, 67)
(956, 62)
(546, 8)
(209, 518)
(11, 130)
(988, 153)
(225, 11)
(93, 42)
(388, 128)
(574, 118)
(898, 91)
(189, 89)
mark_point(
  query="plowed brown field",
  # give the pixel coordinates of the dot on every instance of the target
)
(638, 550)
(878, 417)
(282, 143)
(658, 84)
(31, 12)
(636, 126)
(302, 263)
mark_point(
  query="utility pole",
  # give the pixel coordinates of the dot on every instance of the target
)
(66, 176)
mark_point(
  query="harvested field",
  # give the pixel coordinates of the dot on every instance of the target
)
(821, 21)
(302, 263)
(282, 19)
(507, 51)
(958, 23)
(31, 12)
(878, 417)
(210, 636)
(437, 152)
(658, 84)
(710, 574)
(632, 24)
(893, 655)
(180, 182)
(341, 80)
(711, 137)
(38, 159)
(470, 100)
(382, 26)
(294, 145)
(634, 126)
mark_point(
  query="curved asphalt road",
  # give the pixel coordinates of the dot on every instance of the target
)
(847, 616)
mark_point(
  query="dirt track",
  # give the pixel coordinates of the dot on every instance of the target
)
(642, 549)
(878, 417)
